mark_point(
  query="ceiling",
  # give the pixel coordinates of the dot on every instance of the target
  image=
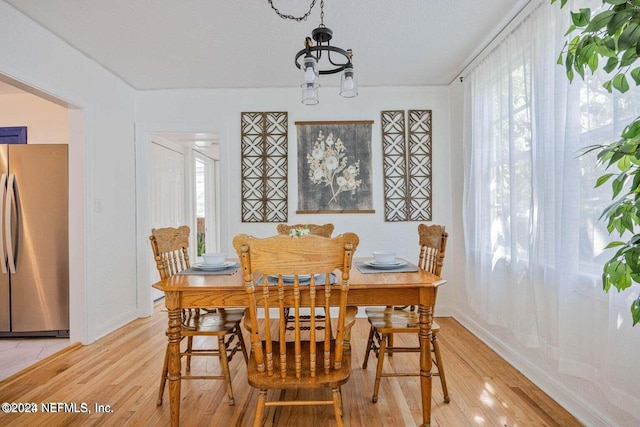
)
(170, 44)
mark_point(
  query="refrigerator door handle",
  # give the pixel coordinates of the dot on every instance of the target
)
(10, 196)
(3, 252)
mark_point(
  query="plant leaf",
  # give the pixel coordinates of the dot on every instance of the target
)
(632, 130)
(611, 64)
(581, 18)
(593, 63)
(630, 36)
(635, 311)
(618, 20)
(600, 21)
(624, 163)
(629, 57)
(615, 2)
(604, 178)
(635, 75)
(620, 82)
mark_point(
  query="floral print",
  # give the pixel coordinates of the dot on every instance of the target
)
(328, 166)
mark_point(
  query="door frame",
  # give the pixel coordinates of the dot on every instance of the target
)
(143, 141)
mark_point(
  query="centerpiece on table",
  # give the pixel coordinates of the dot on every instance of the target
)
(299, 232)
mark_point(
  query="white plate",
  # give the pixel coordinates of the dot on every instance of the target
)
(385, 266)
(214, 267)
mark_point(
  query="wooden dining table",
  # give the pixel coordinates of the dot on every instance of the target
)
(365, 289)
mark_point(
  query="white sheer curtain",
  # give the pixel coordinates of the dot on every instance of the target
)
(533, 241)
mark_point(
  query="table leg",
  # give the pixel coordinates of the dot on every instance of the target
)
(175, 322)
(424, 334)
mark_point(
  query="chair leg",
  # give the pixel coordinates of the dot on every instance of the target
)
(390, 347)
(163, 379)
(382, 351)
(243, 347)
(188, 352)
(436, 350)
(224, 364)
(337, 405)
(369, 348)
(262, 400)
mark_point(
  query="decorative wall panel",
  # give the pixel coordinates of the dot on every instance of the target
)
(406, 160)
(264, 144)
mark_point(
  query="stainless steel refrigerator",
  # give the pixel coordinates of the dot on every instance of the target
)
(34, 242)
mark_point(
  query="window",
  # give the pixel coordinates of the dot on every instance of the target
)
(205, 198)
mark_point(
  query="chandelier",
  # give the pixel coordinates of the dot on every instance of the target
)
(322, 58)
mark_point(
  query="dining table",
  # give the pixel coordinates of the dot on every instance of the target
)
(367, 287)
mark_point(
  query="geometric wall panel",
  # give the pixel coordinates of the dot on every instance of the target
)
(406, 164)
(264, 165)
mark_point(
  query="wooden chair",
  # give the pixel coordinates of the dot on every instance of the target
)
(385, 322)
(324, 230)
(275, 363)
(170, 250)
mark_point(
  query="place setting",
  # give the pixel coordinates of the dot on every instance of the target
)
(213, 263)
(385, 261)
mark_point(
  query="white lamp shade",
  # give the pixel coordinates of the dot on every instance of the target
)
(310, 94)
(310, 73)
(349, 83)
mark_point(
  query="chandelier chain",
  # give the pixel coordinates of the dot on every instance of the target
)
(298, 18)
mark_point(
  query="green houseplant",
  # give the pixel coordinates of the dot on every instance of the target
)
(610, 40)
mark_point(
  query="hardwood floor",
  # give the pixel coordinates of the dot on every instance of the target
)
(123, 369)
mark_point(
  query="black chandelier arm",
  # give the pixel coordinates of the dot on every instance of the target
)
(319, 49)
(337, 65)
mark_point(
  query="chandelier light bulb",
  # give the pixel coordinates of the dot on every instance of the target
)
(309, 75)
(310, 72)
(348, 83)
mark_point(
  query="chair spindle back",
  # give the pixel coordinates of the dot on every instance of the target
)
(433, 243)
(281, 272)
(170, 249)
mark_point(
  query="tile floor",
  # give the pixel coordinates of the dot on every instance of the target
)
(17, 354)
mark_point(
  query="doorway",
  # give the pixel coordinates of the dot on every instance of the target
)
(51, 121)
(206, 198)
(185, 191)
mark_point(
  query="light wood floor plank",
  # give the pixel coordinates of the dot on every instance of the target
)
(122, 370)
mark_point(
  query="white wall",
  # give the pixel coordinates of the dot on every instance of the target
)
(101, 169)
(46, 122)
(219, 110)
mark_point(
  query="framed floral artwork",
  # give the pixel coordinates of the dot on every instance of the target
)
(334, 167)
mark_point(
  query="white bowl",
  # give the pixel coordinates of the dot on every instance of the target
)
(213, 258)
(384, 257)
